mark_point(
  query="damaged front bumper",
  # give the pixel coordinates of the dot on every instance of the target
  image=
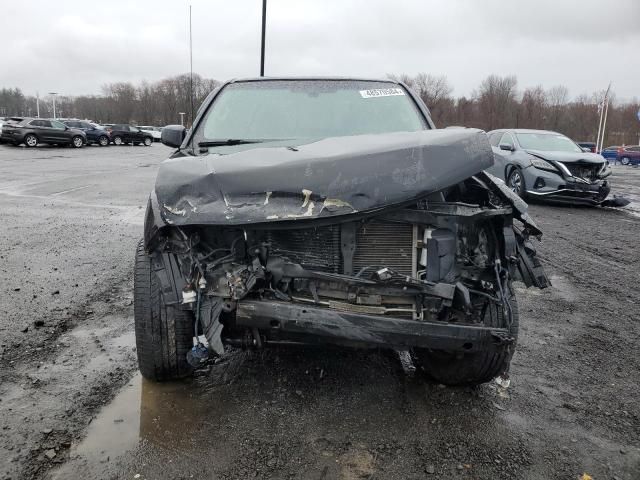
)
(282, 322)
(566, 188)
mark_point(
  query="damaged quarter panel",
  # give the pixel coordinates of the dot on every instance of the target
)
(376, 232)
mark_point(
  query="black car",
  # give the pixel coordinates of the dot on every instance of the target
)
(95, 134)
(309, 211)
(126, 134)
(32, 131)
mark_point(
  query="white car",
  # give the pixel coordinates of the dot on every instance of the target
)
(155, 132)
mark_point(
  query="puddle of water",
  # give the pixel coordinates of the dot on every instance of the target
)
(168, 415)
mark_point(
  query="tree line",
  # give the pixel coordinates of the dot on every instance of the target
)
(496, 103)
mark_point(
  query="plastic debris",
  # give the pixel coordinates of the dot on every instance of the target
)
(198, 355)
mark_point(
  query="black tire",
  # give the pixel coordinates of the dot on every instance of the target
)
(30, 140)
(164, 333)
(117, 140)
(472, 368)
(515, 181)
(625, 161)
(148, 141)
(103, 141)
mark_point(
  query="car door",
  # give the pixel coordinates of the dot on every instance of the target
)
(60, 132)
(138, 134)
(126, 133)
(89, 130)
(44, 130)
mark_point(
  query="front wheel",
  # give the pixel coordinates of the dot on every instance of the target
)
(103, 141)
(515, 181)
(147, 142)
(625, 161)
(478, 367)
(31, 140)
(164, 333)
(77, 141)
(117, 140)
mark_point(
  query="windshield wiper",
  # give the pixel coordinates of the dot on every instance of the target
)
(230, 141)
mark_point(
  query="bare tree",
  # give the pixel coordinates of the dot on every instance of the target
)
(497, 101)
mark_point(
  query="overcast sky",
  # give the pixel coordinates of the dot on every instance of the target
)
(74, 47)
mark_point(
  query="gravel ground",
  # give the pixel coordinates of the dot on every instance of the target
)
(72, 405)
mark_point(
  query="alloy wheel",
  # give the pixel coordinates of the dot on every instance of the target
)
(515, 182)
(31, 141)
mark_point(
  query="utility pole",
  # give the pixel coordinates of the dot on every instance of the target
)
(181, 118)
(37, 104)
(603, 106)
(264, 26)
(191, 64)
(54, 103)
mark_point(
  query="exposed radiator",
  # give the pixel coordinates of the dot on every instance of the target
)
(384, 244)
(313, 248)
(378, 244)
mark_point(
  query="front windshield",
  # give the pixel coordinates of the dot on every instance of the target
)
(547, 142)
(309, 109)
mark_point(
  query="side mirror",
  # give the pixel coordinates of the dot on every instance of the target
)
(173, 135)
(507, 147)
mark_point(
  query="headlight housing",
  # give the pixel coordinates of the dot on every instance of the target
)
(543, 165)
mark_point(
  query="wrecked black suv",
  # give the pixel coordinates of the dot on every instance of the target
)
(314, 211)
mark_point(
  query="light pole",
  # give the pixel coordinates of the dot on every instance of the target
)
(54, 103)
(181, 118)
(264, 26)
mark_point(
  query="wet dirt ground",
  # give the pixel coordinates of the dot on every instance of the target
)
(72, 405)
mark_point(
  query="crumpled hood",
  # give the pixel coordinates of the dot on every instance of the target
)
(568, 157)
(330, 177)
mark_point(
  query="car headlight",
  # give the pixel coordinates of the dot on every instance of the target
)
(543, 165)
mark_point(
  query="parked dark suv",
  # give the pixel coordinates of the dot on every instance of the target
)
(126, 134)
(94, 133)
(32, 131)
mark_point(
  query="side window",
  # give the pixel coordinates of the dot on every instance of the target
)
(84, 125)
(45, 123)
(507, 139)
(124, 128)
(58, 125)
(634, 149)
(494, 138)
(35, 123)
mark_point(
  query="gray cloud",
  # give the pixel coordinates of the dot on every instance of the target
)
(75, 47)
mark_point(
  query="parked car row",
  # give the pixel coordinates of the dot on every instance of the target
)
(629, 155)
(77, 133)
